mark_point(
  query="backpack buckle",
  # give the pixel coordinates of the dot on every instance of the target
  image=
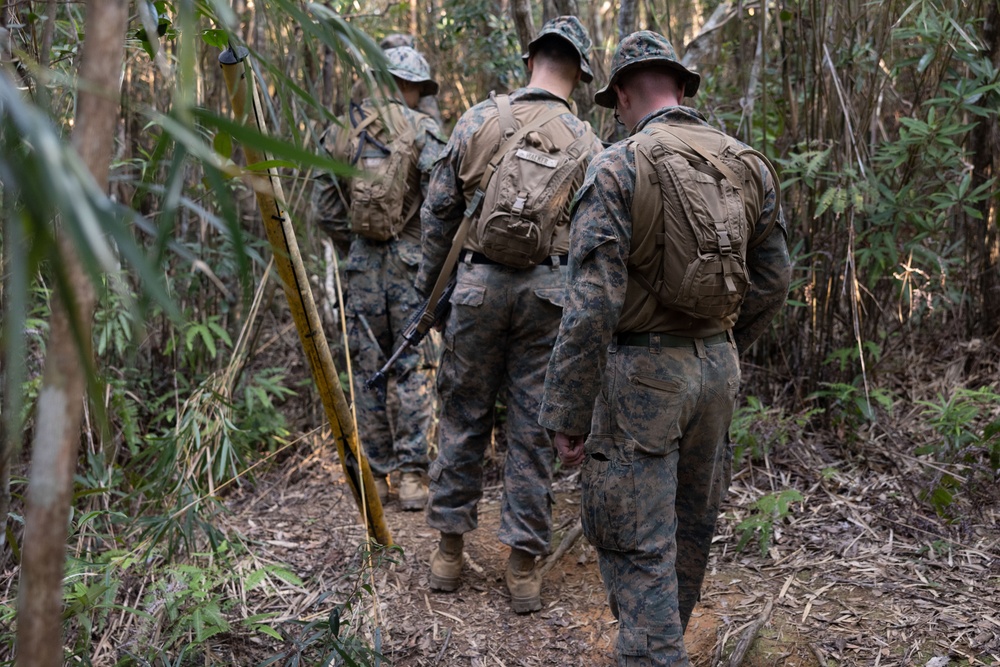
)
(518, 207)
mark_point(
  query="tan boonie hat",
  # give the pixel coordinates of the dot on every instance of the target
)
(570, 29)
(645, 48)
(407, 64)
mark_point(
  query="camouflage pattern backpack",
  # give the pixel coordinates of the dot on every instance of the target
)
(531, 188)
(710, 192)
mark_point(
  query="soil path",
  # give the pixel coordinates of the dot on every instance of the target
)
(854, 577)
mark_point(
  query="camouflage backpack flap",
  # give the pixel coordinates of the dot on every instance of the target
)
(383, 146)
(706, 191)
(531, 188)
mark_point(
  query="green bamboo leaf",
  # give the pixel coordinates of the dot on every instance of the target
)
(255, 579)
(271, 145)
(269, 631)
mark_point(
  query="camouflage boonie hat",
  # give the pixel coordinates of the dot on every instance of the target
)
(407, 64)
(645, 48)
(570, 29)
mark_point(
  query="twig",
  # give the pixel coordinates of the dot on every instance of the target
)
(820, 658)
(567, 543)
(743, 645)
(444, 647)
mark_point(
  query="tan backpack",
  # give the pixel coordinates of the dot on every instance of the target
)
(702, 179)
(383, 146)
(530, 191)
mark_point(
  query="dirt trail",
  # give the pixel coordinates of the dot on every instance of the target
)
(850, 580)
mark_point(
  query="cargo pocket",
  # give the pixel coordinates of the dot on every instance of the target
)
(633, 642)
(409, 252)
(468, 295)
(465, 295)
(554, 295)
(608, 497)
(649, 411)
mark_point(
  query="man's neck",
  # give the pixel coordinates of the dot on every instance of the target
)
(557, 85)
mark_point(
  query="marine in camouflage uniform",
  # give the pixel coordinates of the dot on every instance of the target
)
(500, 330)
(656, 464)
(382, 298)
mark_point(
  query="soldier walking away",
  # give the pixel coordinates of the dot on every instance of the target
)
(395, 147)
(506, 305)
(660, 353)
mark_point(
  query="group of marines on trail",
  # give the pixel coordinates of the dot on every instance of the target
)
(606, 290)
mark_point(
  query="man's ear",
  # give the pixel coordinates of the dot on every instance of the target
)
(623, 99)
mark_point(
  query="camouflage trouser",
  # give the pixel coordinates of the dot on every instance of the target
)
(381, 300)
(501, 330)
(656, 471)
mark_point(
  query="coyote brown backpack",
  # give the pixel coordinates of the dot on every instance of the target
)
(530, 190)
(382, 145)
(711, 195)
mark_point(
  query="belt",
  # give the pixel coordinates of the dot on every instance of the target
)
(669, 340)
(479, 258)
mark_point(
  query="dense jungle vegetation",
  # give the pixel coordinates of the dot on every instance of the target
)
(146, 365)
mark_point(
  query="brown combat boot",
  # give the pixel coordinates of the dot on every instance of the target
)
(446, 563)
(524, 582)
(412, 491)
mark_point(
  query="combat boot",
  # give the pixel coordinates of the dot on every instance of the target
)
(524, 582)
(412, 491)
(446, 563)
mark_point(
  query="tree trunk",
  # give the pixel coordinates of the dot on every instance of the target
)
(523, 22)
(626, 18)
(549, 10)
(60, 400)
(6, 445)
(984, 236)
(567, 8)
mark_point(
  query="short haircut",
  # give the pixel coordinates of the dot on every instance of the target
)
(557, 50)
(652, 70)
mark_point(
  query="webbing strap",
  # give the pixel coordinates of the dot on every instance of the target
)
(777, 195)
(508, 124)
(368, 120)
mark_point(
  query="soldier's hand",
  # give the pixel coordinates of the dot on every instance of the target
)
(569, 448)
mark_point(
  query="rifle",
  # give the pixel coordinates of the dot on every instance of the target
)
(415, 331)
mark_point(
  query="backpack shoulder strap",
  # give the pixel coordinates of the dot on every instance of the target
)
(669, 191)
(777, 195)
(508, 124)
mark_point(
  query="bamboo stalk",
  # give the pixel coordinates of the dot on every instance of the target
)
(240, 83)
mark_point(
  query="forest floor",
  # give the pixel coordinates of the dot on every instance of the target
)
(860, 572)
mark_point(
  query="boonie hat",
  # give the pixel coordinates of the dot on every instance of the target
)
(645, 48)
(570, 29)
(406, 63)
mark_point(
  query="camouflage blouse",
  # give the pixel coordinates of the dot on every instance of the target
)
(601, 236)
